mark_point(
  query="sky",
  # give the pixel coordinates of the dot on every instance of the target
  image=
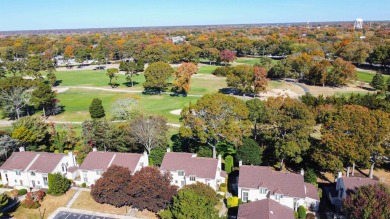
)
(74, 14)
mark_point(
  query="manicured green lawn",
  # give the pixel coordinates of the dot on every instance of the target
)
(93, 78)
(77, 101)
(252, 61)
(367, 76)
(206, 69)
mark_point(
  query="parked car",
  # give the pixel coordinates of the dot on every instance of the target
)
(100, 68)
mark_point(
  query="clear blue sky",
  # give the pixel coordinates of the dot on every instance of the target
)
(60, 14)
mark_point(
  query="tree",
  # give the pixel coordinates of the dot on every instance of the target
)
(183, 76)
(215, 117)
(242, 78)
(260, 79)
(227, 56)
(281, 70)
(156, 156)
(111, 187)
(287, 128)
(318, 73)
(7, 143)
(15, 67)
(265, 62)
(96, 109)
(195, 201)
(310, 176)
(59, 184)
(43, 97)
(130, 68)
(156, 76)
(222, 71)
(212, 54)
(250, 153)
(229, 164)
(341, 72)
(149, 131)
(111, 73)
(368, 202)
(32, 132)
(150, 189)
(52, 79)
(125, 108)
(388, 84)
(378, 81)
(63, 139)
(97, 133)
(33, 66)
(257, 113)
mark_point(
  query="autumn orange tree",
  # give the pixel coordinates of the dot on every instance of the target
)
(182, 77)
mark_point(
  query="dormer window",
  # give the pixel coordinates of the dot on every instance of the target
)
(263, 190)
(192, 178)
(32, 173)
(180, 173)
(18, 172)
(278, 196)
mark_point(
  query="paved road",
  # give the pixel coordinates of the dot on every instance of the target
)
(71, 215)
(303, 87)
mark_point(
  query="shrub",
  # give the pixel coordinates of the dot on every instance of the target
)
(156, 156)
(310, 176)
(232, 202)
(295, 214)
(22, 192)
(301, 212)
(223, 187)
(58, 184)
(165, 214)
(83, 185)
(228, 164)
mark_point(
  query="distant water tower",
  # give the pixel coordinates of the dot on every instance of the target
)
(358, 24)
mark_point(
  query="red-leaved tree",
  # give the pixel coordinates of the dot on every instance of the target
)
(150, 189)
(111, 187)
(227, 56)
(368, 202)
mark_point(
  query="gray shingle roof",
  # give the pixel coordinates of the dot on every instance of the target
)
(264, 209)
(197, 166)
(44, 162)
(99, 160)
(289, 184)
(353, 182)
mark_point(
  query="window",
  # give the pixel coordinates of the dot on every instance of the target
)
(97, 172)
(85, 177)
(245, 196)
(263, 190)
(18, 172)
(278, 196)
(192, 178)
(32, 173)
(38, 182)
(45, 180)
(6, 177)
(180, 173)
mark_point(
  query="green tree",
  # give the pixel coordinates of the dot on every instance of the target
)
(195, 201)
(257, 113)
(52, 79)
(156, 156)
(43, 97)
(229, 164)
(59, 184)
(34, 66)
(216, 117)
(157, 75)
(32, 132)
(301, 212)
(96, 109)
(250, 153)
(130, 68)
(310, 176)
(378, 81)
(287, 128)
(111, 73)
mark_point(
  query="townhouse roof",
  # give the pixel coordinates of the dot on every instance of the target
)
(100, 160)
(288, 184)
(191, 165)
(264, 209)
(353, 182)
(34, 161)
(72, 169)
(311, 191)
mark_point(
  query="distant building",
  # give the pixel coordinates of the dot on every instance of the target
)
(264, 209)
(97, 162)
(178, 39)
(187, 168)
(289, 189)
(26, 169)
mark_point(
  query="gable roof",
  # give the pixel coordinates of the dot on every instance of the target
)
(264, 209)
(353, 182)
(289, 184)
(37, 161)
(100, 160)
(311, 191)
(197, 166)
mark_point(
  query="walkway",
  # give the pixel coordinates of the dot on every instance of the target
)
(85, 214)
(303, 87)
(74, 197)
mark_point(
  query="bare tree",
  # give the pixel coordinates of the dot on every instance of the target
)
(125, 108)
(15, 99)
(7, 143)
(150, 131)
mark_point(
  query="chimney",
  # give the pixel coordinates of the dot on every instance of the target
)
(219, 157)
(339, 175)
(168, 149)
(194, 155)
(21, 149)
(240, 163)
(302, 172)
(94, 149)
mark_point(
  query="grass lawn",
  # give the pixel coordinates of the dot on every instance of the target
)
(86, 202)
(50, 203)
(348, 94)
(207, 69)
(367, 76)
(93, 78)
(77, 101)
(208, 84)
